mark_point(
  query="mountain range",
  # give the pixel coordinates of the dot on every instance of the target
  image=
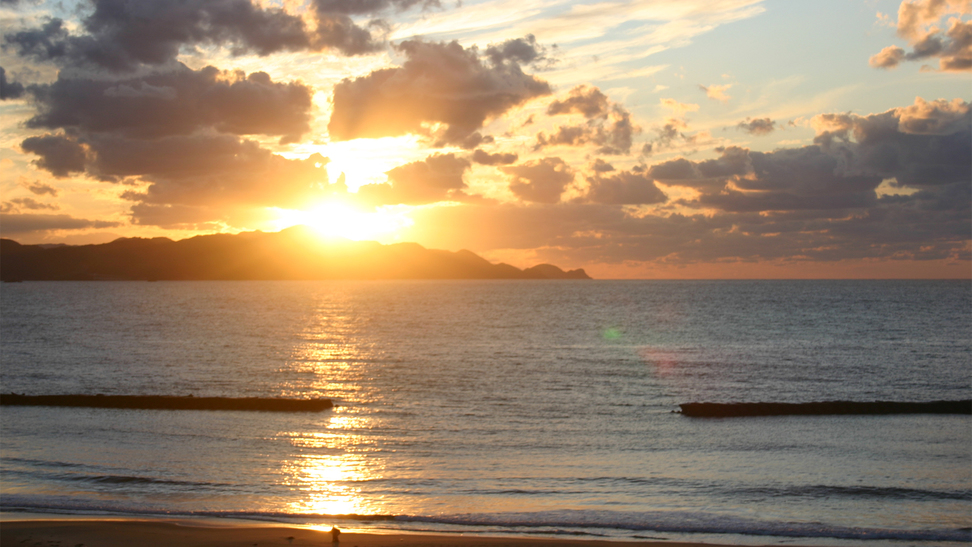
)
(294, 253)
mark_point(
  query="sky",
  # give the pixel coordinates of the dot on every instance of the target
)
(634, 139)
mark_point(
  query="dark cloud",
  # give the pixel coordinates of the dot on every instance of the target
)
(174, 216)
(470, 142)
(601, 166)
(40, 189)
(339, 32)
(16, 224)
(175, 102)
(208, 170)
(608, 126)
(739, 202)
(623, 188)
(612, 139)
(783, 180)
(436, 178)
(9, 89)
(48, 42)
(680, 170)
(576, 135)
(709, 174)
(541, 181)
(668, 134)
(439, 82)
(171, 131)
(576, 232)
(588, 101)
(365, 7)
(521, 51)
(16, 204)
(177, 131)
(484, 158)
(925, 144)
(757, 126)
(58, 154)
(616, 137)
(805, 171)
(121, 35)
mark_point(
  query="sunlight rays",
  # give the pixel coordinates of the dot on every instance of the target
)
(337, 219)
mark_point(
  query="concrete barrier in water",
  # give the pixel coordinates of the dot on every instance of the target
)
(166, 402)
(730, 410)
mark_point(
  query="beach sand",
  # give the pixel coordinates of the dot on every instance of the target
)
(189, 533)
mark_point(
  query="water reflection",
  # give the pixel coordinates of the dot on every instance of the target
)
(330, 353)
(329, 484)
(329, 465)
(328, 468)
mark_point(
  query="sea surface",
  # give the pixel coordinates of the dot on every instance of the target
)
(541, 408)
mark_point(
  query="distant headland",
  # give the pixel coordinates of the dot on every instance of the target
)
(292, 254)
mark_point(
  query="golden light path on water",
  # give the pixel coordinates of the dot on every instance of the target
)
(325, 480)
(328, 460)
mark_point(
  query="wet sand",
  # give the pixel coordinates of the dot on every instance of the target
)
(211, 533)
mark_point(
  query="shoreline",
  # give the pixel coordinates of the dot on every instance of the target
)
(49, 530)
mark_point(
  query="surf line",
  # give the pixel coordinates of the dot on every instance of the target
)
(731, 410)
(168, 402)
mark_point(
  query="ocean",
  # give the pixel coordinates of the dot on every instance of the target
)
(544, 408)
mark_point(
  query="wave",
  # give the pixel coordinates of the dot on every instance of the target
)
(112, 479)
(551, 523)
(822, 491)
(125, 479)
(684, 522)
(728, 410)
(169, 402)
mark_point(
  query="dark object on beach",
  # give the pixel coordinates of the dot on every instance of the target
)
(730, 410)
(164, 402)
(334, 535)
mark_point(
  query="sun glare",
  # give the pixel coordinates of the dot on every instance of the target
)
(336, 219)
(366, 161)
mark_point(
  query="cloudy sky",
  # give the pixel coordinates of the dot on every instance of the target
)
(642, 138)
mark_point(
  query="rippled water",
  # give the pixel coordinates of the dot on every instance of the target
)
(522, 407)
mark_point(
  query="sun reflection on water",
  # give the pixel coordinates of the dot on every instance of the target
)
(327, 483)
(330, 354)
(330, 461)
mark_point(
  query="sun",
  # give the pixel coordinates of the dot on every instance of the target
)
(337, 219)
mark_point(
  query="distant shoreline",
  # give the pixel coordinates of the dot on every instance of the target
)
(291, 254)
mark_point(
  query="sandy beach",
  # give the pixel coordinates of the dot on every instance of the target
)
(188, 533)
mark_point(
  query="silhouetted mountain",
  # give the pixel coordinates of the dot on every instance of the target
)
(294, 253)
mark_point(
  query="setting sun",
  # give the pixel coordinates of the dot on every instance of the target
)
(338, 219)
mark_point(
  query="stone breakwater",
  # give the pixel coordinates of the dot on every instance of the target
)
(166, 402)
(731, 410)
